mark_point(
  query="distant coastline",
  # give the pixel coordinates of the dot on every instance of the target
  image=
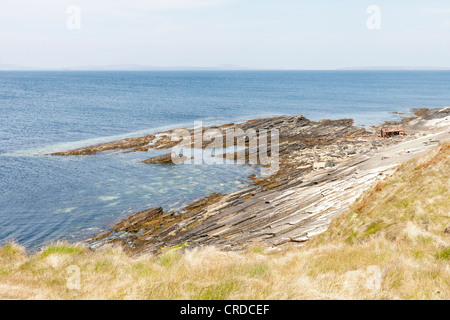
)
(391, 68)
(222, 67)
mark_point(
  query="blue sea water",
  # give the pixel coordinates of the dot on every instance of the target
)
(45, 198)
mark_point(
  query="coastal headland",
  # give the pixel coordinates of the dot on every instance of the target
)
(323, 168)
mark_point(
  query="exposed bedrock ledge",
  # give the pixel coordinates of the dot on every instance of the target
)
(324, 167)
(290, 129)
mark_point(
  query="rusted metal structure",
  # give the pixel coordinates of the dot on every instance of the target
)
(389, 132)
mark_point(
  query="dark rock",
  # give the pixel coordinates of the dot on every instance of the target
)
(447, 229)
(167, 158)
(137, 221)
(161, 159)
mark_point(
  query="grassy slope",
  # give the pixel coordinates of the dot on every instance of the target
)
(391, 244)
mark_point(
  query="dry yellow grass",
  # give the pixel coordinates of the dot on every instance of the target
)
(391, 244)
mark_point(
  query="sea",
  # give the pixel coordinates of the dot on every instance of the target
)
(45, 198)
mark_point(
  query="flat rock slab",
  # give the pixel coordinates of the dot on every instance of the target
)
(289, 206)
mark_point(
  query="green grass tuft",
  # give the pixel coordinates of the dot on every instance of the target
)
(444, 254)
(62, 248)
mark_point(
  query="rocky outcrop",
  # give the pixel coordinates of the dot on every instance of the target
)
(323, 168)
(295, 132)
(167, 158)
(130, 143)
(429, 114)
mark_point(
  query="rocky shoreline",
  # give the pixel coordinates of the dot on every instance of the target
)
(323, 168)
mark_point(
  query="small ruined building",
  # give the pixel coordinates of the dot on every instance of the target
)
(390, 132)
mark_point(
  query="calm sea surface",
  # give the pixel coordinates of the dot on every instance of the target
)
(45, 198)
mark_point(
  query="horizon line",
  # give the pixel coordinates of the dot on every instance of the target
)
(222, 67)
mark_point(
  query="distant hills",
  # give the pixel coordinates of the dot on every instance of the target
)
(145, 67)
(14, 67)
(395, 68)
(123, 67)
(136, 67)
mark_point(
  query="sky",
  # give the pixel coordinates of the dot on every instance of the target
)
(265, 34)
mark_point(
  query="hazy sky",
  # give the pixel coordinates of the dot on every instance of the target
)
(296, 34)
